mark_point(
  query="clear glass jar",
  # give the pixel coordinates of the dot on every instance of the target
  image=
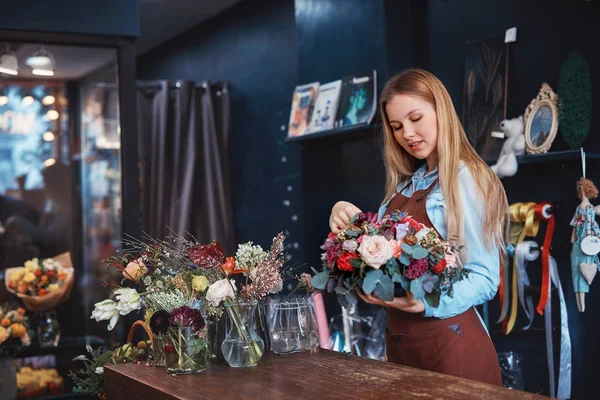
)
(185, 350)
(242, 346)
(292, 324)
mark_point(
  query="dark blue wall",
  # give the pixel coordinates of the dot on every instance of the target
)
(253, 46)
(547, 32)
(95, 17)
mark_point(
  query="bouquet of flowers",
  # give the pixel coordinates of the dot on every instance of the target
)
(373, 255)
(42, 284)
(13, 330)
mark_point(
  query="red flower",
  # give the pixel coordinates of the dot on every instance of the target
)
(417, 226)
(331, 236)
(440, 267)
(416, 268)
(207, 255)
(343, 262)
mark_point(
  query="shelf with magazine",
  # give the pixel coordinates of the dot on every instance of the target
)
(345, 106)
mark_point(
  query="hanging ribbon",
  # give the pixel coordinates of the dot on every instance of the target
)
(520, 213)
(543, 212)
(526, 251)
(564, 374)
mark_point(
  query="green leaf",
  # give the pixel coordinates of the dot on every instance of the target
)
(314, 270)
(351, 297)
(195, 346)
(433, 298)
(420, 253)
(385, 289)
(405, 259)
(406, 249)
(371, 280)
(354, 218)
(356, 262)
(403, 281)
(351, 233)
(416, 288)
(392, 264)
(319, 281)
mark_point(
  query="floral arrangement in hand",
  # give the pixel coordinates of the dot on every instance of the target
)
(13, 328)
(373, 255)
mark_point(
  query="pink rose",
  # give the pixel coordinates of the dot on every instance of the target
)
(375, 250)
(135, 270)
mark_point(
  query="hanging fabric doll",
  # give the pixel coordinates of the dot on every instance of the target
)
(585, 239)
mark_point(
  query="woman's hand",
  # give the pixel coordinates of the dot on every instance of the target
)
(341, 213)
(406, 304)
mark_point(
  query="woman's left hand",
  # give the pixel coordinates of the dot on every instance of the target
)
(407, 304)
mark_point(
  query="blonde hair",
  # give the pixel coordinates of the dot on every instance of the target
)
(453, 146)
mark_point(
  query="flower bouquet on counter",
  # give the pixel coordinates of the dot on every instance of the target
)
(373, 255)
(42, 284)
(14, 326)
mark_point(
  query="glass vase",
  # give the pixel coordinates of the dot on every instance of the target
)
(242, 346)
(47, 328)
(216, 328)
(159, 341)
(292, 324)
(185, 351)
(510, 367)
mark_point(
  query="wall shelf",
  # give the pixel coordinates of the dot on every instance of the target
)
(346, 131)
(552, 156)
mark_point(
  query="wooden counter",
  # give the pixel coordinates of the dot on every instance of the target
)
(318, 375)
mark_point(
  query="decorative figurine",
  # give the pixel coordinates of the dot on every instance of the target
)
(586, 241)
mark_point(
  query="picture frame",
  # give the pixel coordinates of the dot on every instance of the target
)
(541, 121)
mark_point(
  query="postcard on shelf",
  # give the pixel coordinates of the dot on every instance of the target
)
(325, 109)
(302, 103)
(358, 100)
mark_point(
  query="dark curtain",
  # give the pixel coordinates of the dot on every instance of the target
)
(184, 161)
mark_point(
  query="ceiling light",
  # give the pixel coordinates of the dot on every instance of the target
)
(49, 162)
(8, 62)
(52, 114)
(27, 100)
(41, 62)
(3, 100)
(48, 136)
(48, 100)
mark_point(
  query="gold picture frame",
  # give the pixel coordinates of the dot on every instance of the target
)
(541, 121)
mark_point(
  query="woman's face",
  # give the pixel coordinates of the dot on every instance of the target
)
(414, 124)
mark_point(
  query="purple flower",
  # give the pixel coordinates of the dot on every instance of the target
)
(159, 322)
(350, 246)
(327, 245)
(186, 316)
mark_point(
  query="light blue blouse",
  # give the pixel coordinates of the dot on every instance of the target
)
(483, 263)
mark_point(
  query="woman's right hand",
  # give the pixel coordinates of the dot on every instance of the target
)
(341, 213)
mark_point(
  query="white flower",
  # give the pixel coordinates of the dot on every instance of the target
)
(99, 370)
(350, 245)
(129, 300)
(219, 291)
(104, 311)
(422, 233)
(401, 231)
(375, 250)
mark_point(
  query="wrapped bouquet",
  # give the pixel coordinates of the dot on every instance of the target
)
(373, 255)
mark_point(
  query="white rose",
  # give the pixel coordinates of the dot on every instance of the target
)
(104, 311)
(99, 370)
(219, 291)
(422, 233)
(375, 250)
(129, 300)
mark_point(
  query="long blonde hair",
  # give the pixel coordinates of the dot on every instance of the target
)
(452, 146)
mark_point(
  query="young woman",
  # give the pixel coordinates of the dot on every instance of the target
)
(458, 195)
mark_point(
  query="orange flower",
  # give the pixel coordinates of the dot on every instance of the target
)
(18, 330)
(5, 322)
(21, 311)
(229, 267)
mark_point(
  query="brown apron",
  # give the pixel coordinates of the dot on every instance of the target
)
(458, 346)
